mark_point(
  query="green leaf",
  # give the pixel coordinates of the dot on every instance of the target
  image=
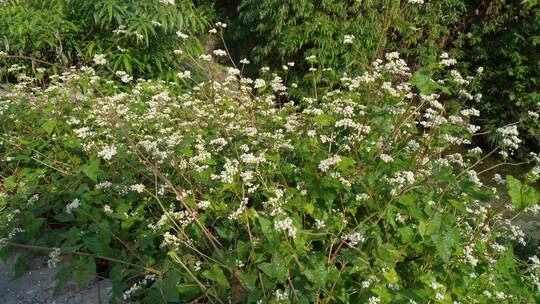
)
(422, 228)
(406, 234)
(522, 195)
(443, 244)
(392, 276)
(317, 275)
(309, 208)
(48, 126)
(422, 80)
(215, 273)
(345, 163)
(64, 217)
(169, 288)
(267, 228)
(21, 266)
(10, 182)
(323, 120)
(91, 169)
(276, 269)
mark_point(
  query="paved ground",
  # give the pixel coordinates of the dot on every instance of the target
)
(37, 284)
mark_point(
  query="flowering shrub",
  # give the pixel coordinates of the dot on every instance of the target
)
(501, 36)
(230, 192)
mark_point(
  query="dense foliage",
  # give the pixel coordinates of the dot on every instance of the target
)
(288, 30)
(506, 43)
(501, 36)
(231, 192)
(137, 36)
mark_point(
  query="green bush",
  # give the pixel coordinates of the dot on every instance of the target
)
(136, 36)
(281, 31)
(506, 44)
(221, 194)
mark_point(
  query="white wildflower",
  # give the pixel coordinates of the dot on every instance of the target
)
(374, 300)
(281, 295)
(76, 203)
(184, 74)
(219, 53)
(203, 204)
(286, 225)
(182, 35)
(348, 39)
(354, 238)
(99, 59)
(386, 158)
(327, 163)
(107, 209)
(54, 258)
(107, 152)
(139, 188)
(319, 224)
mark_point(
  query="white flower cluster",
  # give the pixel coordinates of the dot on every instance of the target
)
(184, 74)
(54, 258)
(138, 286)
(170, 240)
(34, 198)
(241, 210)
(139, 188)
(124, 77)
(107, 152)
(230, 169)
(100, 59)
(182, 35)
(446, 60)
(353, 239)
(510, 137)
(324, 165)
(281, 296)
(76, 203)
(219, 53)
(348, 39)
(286, 225)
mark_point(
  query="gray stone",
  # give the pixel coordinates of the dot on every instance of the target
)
(36, 285)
